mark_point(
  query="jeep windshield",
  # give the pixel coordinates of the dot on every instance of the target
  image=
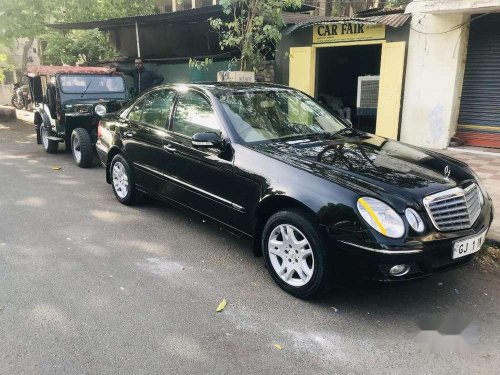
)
(79, 84)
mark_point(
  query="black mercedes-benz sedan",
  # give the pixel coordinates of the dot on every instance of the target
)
(319, 198)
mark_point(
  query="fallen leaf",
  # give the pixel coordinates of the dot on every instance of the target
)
(56, 168)
(221, 306)
(278, 346)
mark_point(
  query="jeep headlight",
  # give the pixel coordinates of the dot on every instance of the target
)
(381, 217)
(100, 110)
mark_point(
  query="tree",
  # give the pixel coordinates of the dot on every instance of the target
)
(87, 46)
(253, 27)
(28, 19)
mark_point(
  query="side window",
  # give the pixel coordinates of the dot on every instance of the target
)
(194, 114)
(135, 112)
(156, 108)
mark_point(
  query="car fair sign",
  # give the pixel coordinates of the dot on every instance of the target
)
(346, 32)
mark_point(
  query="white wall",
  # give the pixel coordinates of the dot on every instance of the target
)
(453, 6)
(437, 50)
(6, 92)
(434, 75)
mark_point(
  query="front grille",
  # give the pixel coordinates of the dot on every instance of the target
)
(454, 209)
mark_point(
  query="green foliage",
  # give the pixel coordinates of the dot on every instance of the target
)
(29, 19)
(253, 27)
(4, 66)
(88, 46)
(200, 65)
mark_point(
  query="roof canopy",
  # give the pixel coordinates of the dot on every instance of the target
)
(394, 18)
(48, 70)
(181, 16)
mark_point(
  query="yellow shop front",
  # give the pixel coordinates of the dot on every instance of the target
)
(356, 68)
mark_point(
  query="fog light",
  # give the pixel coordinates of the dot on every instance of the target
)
(399, 270)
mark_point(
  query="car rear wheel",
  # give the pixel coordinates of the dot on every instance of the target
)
(295, 254)
(122, 180)
(49, 145)
(81, 148)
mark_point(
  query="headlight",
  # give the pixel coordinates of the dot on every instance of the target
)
(482, 191)
(414, 220)
(381, 217)
(100, 110)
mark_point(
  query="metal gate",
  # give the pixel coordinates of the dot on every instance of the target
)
(479, 117)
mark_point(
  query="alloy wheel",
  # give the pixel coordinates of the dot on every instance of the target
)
(120, 179)
(291, 255)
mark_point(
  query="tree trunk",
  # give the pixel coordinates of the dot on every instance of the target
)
(26, 50)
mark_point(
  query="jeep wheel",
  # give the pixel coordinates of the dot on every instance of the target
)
(48, 144)
(81, 147)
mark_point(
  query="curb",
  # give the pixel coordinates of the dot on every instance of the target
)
(7, 113)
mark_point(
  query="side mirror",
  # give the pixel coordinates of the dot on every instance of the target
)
(206, 140)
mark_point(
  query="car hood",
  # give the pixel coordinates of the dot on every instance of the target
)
(371, 165)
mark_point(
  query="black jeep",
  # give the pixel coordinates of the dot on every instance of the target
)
(69, 102)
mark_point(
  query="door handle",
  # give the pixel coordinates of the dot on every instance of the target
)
(169, 148)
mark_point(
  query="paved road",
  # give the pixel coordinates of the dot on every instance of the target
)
(91, 286)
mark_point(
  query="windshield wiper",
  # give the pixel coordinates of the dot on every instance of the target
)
(344, 130)
(86, 88)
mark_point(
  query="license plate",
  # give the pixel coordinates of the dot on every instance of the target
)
(469, 245)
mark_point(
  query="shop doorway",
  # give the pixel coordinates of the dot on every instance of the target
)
(347, 81)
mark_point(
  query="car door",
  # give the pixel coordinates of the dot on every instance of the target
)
(199, 178)
(144, 138)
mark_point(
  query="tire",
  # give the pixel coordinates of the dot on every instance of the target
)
(122, 180)
(67, 143)
(308, 275)
(81, 148)
(16, 103)
(49, 145)
(38, 135)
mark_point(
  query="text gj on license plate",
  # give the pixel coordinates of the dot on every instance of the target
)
(469, 245)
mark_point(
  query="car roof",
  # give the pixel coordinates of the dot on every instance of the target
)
(232, 87)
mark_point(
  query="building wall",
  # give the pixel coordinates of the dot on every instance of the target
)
(303, 38)
(435, 68)
(167, 41)
(5, 93)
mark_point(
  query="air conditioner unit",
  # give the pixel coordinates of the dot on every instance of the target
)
(367, 100)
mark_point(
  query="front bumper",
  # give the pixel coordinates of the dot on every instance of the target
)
(429, 254)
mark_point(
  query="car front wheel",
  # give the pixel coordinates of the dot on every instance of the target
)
(295, 254)
(122, 180)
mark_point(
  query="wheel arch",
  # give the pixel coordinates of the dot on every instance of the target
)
(268, 207)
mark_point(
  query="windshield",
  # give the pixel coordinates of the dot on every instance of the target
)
(79, 84)
(262, 115)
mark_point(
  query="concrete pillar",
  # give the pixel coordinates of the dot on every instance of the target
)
(434, 76)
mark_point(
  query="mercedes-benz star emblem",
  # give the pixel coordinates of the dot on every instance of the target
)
(447, 171)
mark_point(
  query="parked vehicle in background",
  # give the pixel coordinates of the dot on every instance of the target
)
(69, 101)
(319, 198)
(20, 98)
